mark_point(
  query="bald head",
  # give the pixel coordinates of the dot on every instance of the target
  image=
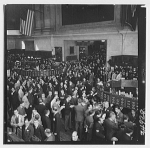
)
(74, 136)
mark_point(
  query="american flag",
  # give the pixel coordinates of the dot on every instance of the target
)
(26, 23)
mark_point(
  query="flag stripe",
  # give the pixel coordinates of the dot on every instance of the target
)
(27, 22)
(31, 23)
(20, 24)
(26, 25)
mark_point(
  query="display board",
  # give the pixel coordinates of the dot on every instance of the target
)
(122, 101)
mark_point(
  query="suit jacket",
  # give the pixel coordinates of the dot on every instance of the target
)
(57, 123)
(28, 133)
(56, 88)
(51, 138)
(39, 92)
(111, 128)
(86, 113)
(128, 125)
(44, 87)
(39, 132)
(119, 117)
(79, 113)
(99, 131)
(67, 108)
(50, 89)
(47, 101)
(70, 87)
(74, 101)
(46, 122)
(133, 119)
(30, 98)
(107, 111)
(125, 139)
(88, 88)
(15, 100)
(89, 122)
(62, 98)
(40, 109)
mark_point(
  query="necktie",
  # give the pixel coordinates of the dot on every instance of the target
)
(17, 120)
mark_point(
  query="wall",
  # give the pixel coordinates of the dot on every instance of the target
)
(18, 44)
(116, 45)
(13, 43)
(43, 44)
(55, 35)
(29, 45)
(67, 45)
(130, 44)
(10, 43)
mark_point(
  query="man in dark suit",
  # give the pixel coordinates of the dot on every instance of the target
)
(88, 87)
(119, 114)
(48, 100)
(89, 108)
(28, 131)
(14, 99)
(46, 119)
(41, 107)
(44, 87)
(67, 110)
(30, 97)
(99, 131)
(50, 88)
(89, 125)
(79, 117)
(39, 131)
(70, 88)
(57, 122)
(127, 131)
(126, 137)
(106, 109)
(127, 124)
(111, 126)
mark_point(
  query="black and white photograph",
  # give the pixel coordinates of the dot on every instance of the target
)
(74, 74)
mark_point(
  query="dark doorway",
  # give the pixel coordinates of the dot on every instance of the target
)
(98, 46)
(29, 45)
(58, 53)
(93, 48)
(82, 52)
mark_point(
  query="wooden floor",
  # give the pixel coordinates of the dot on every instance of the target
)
(65, 136)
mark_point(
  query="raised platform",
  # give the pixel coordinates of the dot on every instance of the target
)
(123, 83)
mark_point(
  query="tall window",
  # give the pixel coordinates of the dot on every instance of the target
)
(71, 49)
(79, 14)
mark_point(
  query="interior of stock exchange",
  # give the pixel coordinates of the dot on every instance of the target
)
(73, 75)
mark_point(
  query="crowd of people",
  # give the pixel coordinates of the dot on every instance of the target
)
(38, 106)
(29, 62)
